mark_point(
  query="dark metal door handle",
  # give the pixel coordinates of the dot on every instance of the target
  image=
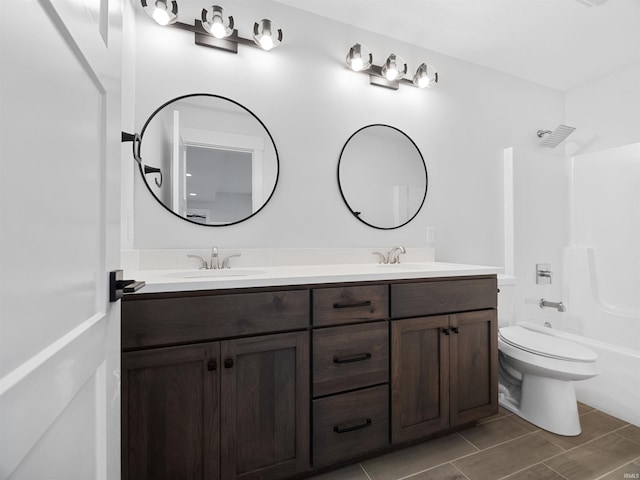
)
(445, 331)
(118, 286)
(228, 362)
(455, 329)
(212, 365)
(366, 303)
(339, 429)
(358, 357)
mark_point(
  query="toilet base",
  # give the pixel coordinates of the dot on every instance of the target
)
(547, 403)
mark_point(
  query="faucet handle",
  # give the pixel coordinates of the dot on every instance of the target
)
(225, 262)
(203, 262)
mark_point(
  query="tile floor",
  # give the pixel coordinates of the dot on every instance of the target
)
(506, 447)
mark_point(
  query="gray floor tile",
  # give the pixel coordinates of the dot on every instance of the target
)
(628, 471)
(352, 472)
(584, 408)
(594, 424)
(595, 458)
(537, 472)
(443, 472)
(501, 430)
(507, 458)
(630, 432)
(418, 458)
(502, 412)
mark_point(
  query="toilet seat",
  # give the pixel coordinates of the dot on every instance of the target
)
(545, 345)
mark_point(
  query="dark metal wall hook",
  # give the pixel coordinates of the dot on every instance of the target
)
(148, 170)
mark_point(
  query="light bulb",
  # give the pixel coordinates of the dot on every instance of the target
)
(160, 14)
(357, 64)
(359, 58)
(266, 34)
(391, 74)
(218, 30)
(266, 42)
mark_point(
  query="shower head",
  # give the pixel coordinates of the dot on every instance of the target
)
(553, 139)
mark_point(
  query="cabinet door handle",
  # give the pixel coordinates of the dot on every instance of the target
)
(455, 329)
(339, 429)
(358, 357)
(366, 303)
(212, 365)
(445, 331)
(228, 362)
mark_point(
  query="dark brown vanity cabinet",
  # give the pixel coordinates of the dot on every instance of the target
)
(272, 383)
(229, 409)
(444, 366)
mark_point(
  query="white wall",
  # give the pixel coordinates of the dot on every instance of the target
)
(605, 112)
(312, 103)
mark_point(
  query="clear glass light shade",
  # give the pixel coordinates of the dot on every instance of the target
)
(394, 68)
(216, 23)
(266, 34)
(359, 58)
(164, 12)
(425, 77)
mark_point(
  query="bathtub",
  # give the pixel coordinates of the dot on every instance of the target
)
(616, 390)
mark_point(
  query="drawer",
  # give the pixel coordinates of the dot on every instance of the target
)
(333, 306)
(176, 320)
(350, 357)
(350, 424)
(443, 296)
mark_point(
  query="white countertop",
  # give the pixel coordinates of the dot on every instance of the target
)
(267, 276)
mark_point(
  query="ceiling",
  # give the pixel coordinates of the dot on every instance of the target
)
(557, 43)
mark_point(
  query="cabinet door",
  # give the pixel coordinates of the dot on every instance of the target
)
(265, 406)
(474, 366)
(170, 413)
(419, 377)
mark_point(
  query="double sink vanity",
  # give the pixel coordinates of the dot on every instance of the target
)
(279, 372)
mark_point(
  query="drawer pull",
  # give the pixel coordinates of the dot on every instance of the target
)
(212, 365)
(358, 357)
(339, 429)
(366, 303)
(228, 363)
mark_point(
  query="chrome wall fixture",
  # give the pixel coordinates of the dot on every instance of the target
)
(215, 29)
(392, 73)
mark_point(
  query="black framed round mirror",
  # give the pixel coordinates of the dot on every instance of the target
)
(382, 176)
(208, 159)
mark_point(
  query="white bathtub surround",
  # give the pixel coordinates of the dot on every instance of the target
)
(169, 259)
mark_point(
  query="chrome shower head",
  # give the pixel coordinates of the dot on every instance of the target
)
(553, 139)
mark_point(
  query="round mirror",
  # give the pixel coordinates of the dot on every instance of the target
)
(382, 176)
(209, 160)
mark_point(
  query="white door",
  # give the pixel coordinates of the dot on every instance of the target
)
(60, 78)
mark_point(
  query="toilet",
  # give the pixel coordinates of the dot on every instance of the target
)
(536, 372)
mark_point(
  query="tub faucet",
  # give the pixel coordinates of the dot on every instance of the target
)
(557, 305)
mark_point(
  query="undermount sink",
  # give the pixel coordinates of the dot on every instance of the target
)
(221, 273)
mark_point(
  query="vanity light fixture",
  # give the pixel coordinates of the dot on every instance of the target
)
(215, 29)
(392, 72)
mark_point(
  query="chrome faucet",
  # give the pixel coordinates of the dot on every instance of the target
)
(557, 305)
(394, 254)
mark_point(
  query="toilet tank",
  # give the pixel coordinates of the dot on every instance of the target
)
(506, 300)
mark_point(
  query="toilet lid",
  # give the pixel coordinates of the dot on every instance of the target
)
(547, 345)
